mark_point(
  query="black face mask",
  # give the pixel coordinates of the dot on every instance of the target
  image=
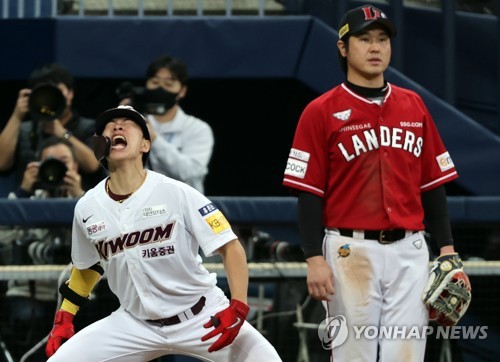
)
(159, 101)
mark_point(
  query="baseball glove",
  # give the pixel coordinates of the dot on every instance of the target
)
(447, 293)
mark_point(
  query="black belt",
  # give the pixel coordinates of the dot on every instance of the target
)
(382, 236)
(195, 309)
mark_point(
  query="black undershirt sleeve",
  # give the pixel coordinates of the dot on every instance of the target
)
(436, 215)
(311, 230)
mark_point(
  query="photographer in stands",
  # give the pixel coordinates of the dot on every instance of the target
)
(182, 145)
(31, 304)
(55, 175)
(44, 110)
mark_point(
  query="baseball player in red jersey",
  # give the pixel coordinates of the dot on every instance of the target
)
(144, 231)
(368, 165)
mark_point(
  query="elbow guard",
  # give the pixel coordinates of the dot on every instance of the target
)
(72, 296)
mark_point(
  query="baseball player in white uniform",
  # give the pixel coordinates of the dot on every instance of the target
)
(144, 231)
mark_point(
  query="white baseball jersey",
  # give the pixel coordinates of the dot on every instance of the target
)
(148, 245)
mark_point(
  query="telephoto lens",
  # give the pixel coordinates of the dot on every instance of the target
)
(46, 102)
(51, 173)
(263, 247)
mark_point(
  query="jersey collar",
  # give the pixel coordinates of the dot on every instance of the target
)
(389, 91)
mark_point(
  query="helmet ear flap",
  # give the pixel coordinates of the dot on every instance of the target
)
(101, 146)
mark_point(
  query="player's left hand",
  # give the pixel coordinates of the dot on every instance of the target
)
(448, 290)
(227, 323)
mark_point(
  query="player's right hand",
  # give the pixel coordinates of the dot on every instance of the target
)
(63, 330)
(319, 278)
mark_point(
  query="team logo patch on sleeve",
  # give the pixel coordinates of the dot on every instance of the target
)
(217, 222)
(207, 209)
(444, 161)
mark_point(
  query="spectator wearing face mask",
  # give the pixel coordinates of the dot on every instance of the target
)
(182, 145)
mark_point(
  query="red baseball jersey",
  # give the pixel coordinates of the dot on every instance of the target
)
(369, 161)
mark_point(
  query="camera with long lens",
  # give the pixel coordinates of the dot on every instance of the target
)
(30, 250)
(51, 173)
(263, 247)
(46, 102)
(142, 99)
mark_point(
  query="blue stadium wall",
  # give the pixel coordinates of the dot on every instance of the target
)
(300, 48)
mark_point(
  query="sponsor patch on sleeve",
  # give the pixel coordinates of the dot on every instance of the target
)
(444, 161)
(217, 222)
(207, 209)
(95, 228)
(296, 168)
(299, 155)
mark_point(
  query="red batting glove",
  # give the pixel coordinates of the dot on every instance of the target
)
(63, 330)
(227, 323)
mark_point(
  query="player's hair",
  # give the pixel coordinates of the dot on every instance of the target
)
(54, 141)
(178, 68)
(51, 73)
(343, 60)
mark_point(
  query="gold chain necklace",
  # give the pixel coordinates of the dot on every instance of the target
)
(125, 197)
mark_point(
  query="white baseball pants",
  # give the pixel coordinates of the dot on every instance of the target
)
(378, 287)
(121, 337)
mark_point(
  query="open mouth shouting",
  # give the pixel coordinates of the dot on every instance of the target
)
(118, 142)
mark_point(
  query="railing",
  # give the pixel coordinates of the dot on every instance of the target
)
(280, 213)
(139, 8)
